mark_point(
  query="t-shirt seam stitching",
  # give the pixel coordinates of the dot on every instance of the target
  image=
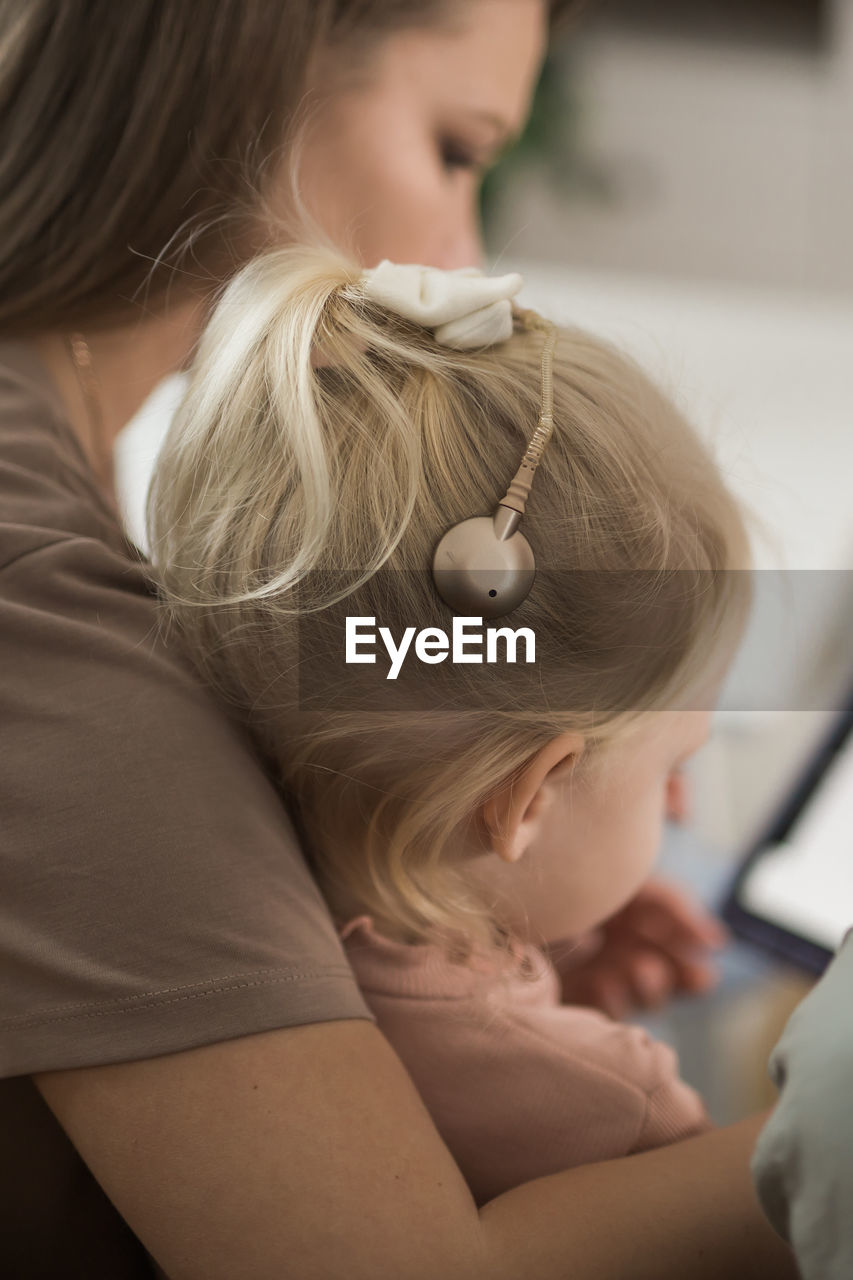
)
(128, 1004)
(187, 986)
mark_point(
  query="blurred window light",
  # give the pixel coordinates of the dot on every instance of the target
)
(803, 25)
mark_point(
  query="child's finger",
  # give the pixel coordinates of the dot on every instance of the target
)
(653, 978)
(666, 916)
(696, 976)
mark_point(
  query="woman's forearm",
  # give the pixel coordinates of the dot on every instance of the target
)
(686, 1210)
(307, 1152)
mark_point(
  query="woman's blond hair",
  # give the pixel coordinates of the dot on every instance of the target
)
(323, 448)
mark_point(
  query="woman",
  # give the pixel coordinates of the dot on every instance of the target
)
(177, 1013)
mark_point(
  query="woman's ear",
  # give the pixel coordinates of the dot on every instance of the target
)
(512, 816)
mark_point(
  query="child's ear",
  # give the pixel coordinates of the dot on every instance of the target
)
(511, 817)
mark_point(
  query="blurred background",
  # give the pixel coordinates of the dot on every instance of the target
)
(707, 139)
(685, 188)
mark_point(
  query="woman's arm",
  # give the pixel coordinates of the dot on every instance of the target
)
(307, 1152)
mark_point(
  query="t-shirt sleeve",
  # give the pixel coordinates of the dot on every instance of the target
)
(154, 897)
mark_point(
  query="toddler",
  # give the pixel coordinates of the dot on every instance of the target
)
(336, 425)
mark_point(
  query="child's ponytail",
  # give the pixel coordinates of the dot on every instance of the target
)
(264, 477)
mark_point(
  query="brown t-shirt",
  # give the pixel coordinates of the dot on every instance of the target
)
(152, 894)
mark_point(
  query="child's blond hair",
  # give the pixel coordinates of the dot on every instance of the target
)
(321, 433)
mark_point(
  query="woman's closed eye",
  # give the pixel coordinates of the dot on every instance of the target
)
(457, 155)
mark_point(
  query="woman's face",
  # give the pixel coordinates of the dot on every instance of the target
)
(394, 157)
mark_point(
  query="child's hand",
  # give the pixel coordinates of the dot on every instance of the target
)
(653, 948)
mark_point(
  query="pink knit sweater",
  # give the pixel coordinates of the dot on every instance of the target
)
(518, 1084)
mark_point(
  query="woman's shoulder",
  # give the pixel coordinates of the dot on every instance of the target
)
(77, 601)
(69, 576)
(155, 896)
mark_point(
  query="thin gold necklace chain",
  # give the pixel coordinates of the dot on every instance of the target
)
(87, 379)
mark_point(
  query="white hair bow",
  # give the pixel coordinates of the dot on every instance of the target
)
(465, 308)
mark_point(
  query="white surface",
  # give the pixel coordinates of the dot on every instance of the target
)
(806, 883)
